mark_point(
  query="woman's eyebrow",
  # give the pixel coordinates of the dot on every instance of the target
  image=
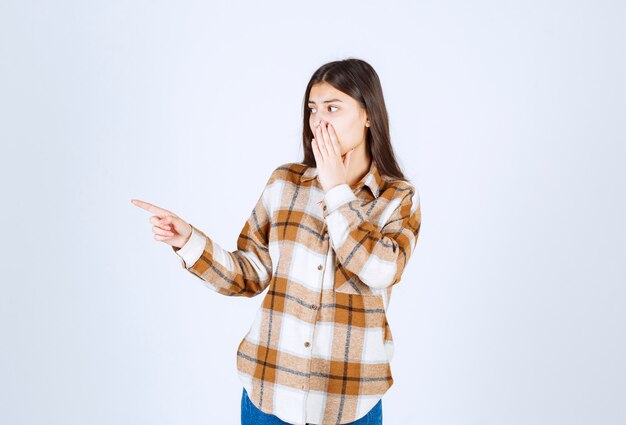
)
(327, 101)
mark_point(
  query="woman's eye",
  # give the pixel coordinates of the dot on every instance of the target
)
(312, 109)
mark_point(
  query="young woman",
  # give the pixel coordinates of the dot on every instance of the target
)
(329, 236)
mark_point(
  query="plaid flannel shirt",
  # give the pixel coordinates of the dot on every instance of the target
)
(320, 346)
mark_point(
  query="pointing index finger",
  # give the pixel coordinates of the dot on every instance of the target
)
(151, 208)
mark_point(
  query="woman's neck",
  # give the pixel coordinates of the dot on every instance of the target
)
(359, 165)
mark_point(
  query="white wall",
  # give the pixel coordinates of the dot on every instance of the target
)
(508, 116)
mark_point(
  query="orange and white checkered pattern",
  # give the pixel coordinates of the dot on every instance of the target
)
(320, 346)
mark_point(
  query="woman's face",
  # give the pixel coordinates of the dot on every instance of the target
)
(347, 117)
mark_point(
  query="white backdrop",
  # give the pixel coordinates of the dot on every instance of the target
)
(508, 117)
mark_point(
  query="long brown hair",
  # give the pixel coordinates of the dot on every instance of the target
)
(359, 80)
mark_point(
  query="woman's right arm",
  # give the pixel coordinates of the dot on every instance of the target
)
(246, 271)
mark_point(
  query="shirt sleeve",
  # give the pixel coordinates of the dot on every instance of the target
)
(193, 249)
(377, 255)
(246, 271)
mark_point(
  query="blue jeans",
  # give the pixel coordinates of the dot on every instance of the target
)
(252, 415)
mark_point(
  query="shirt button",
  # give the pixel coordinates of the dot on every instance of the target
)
(307, 343)
(313, 306)
(319, 267)
(324, 207)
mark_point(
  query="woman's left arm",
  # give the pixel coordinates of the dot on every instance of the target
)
(377, 255)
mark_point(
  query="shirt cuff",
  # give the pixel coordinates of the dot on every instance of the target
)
(193, 249)
(339, 195)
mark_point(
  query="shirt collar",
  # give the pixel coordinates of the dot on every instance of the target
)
(372, 179)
